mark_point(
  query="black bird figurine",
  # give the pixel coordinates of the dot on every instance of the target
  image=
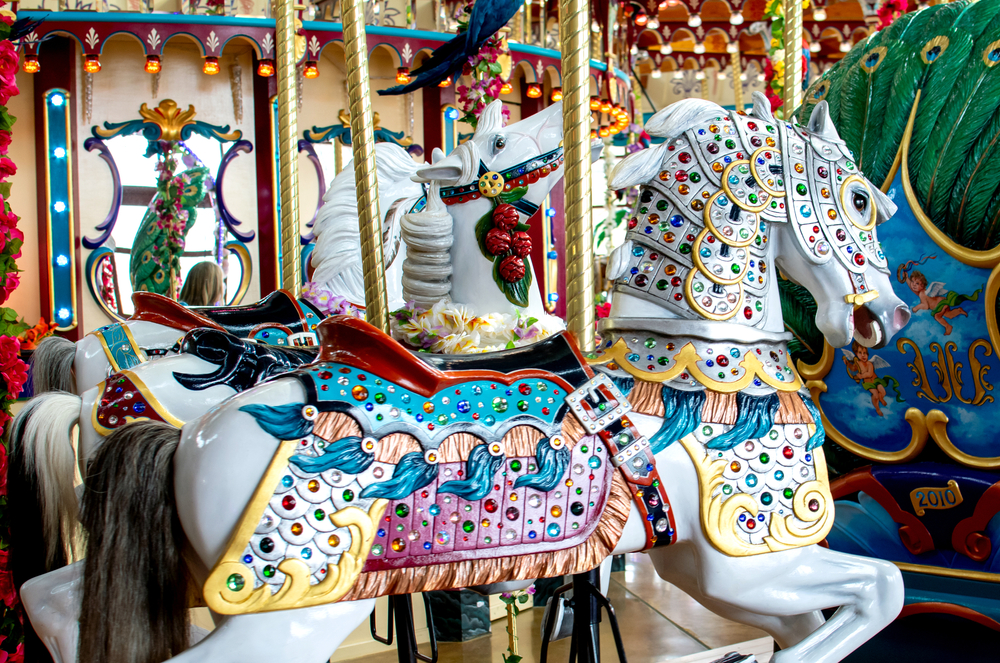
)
(487, 17)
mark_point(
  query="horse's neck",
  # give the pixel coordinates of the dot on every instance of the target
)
(472, 280)
(662, 277)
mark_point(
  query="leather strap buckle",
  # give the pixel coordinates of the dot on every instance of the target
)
(598, 404)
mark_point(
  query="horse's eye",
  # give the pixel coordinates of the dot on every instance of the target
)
(860, 201)
(499, 143)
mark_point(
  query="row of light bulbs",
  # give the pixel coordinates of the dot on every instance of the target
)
(643, 20)
(210, 65)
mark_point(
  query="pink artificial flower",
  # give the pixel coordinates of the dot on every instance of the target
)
(7, 167)
(13, 370)
(8, 593)
(8, 58)
(4, 141)
(3, 460)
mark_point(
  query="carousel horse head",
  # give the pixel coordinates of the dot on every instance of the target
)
(726, 196)
(490, 186)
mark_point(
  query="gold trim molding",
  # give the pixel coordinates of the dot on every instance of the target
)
(948, 573)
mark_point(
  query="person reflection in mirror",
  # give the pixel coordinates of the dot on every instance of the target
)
(205, 285)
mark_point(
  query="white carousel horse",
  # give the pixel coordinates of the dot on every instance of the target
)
(370, 473)
(154, 330)
(211, 366)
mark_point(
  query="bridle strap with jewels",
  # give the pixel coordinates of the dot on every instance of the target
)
(523, 174)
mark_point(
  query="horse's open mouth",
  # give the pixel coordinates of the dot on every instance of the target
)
(867, 328)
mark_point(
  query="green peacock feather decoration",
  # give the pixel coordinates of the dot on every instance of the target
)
(154, 265)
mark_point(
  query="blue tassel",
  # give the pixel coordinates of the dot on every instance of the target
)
(681, 415)
(755, 419)
(624, 385)
(412, 473)
(284, 422)
(552, 464)
(820, 435)
(344, 454)
(480, 469)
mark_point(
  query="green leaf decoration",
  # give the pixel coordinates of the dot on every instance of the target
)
(975, 186)
(518, 291)
(522, 227)
(483, 226)
(6, 119)
(5, 186)
(513, 195)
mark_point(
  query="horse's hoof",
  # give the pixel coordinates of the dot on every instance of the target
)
(734, 657)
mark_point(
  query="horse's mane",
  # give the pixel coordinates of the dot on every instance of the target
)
(337, 256)
(948, 54)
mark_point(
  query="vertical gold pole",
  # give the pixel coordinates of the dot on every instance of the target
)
(793, 56)
(737, 82)
(574, 32)
(288, 165)
(363, 142)
(545, 24)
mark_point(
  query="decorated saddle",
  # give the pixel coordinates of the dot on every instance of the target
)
(241, 364)
(400, 475)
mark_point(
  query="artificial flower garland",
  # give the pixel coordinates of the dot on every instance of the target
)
(486, 72)
(13, 371)
(450, 328)
(170, 213)
(774, 64)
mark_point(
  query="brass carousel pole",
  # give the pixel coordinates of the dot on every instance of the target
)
(288, 166)
(737, 79)
(574, 19)
(363, 143)
(792, 92)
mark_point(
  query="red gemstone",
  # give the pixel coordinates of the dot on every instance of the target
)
(751, 524)
(490, 506)
(722, 360)
(678, 297)
(524, 389)
(654, 256)
(752, 126)
(787, 452)
(325, 375)
(747, 312)
(859, 259)
(288, 503)
(545, 410)
(681, 175)
(711, 239)
(823, 172)
(676, 281)
(632, 223)
(684, 157)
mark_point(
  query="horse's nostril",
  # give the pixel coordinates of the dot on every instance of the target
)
(901, 316)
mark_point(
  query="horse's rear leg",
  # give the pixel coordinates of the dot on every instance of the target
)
(306, 635)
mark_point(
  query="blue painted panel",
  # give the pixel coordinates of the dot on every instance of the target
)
(59, 197)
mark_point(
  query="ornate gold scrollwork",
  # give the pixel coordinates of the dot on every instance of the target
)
(949, 372)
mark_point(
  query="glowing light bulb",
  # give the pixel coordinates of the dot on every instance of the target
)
(62, 260)
(656, 73)
(265, 68)
(699, 48)
(211, 65)
(815, 47)
(31, 65)
(403, 75)
(59, 206)
(694, 20)
(57, 99)
(59, 153)
(819, 14)
(557, 94)
(92, 64)
(736, 19)
(534, 91)
(153, 65)
(311, 69)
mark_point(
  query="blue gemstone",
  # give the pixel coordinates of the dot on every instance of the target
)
(419, 417)
(760, 517)
(463, 406)
(553, 530)
(509, 392)
(677, 221)
(634, 357)
(649, 467)
(369, 407)
(381, 532)
(434, 510)
(287, 481)
(248, 559)
(649, 517)
(649, 357)
(532, 534)
(306, 553)
(427, 545)
(743, 517)
(265, 334)
(728, 160)
(594, 462)
(710, 363)
(751, 480)
(808, 458)
(779, 475)
(634, 270)
(751, 263)
(139, 407)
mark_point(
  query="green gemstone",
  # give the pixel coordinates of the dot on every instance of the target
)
(764, 458)
(424, 523)
(602, 407)
(661, 205)
(442, 419)
(773, 434)
(583, 449)
(801, 189)
(499, 404)
(643, 210)
(735, 268)
(522, 406)
(650, 342)
(774, 204)
(402, 510)
(348, 495)
(662, 361)
(579, 491)
(319, 514)
(727, 489)
(759, 306)
(685, 248)
(235, 582)
(752, 198)
(722, 375)
(380, 398)
(731, 144)
(656, 484)
(515, 465)
(699, 286)
(660, 285)
(695, 177)
(766, 499)
(788, 493)
(706, 430)
(268, 571)
(468, 526)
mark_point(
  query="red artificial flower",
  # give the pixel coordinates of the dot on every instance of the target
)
(12, 369)
(8, 593)
(4, 141)
(11, 283)
(3, 459)
(8, 59)
(7, 167)
(603, 310)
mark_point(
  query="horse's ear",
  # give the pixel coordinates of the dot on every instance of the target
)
(762, 107)
(491, 119)
(447, 170)
(680, 116)
(820, 123)
(437, 154)
(637, 168)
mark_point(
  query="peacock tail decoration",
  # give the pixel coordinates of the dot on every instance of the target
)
(154, 265)
(947, 54)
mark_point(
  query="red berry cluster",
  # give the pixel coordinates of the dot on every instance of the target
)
(503, 239)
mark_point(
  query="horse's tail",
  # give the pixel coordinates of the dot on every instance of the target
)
(43, 520)
(135, 587)
(52, 365)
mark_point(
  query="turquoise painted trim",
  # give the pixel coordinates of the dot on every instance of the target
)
(979, 596)
(129, 17)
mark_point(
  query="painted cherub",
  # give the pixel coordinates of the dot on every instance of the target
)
(862, 369)
(934, 297)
